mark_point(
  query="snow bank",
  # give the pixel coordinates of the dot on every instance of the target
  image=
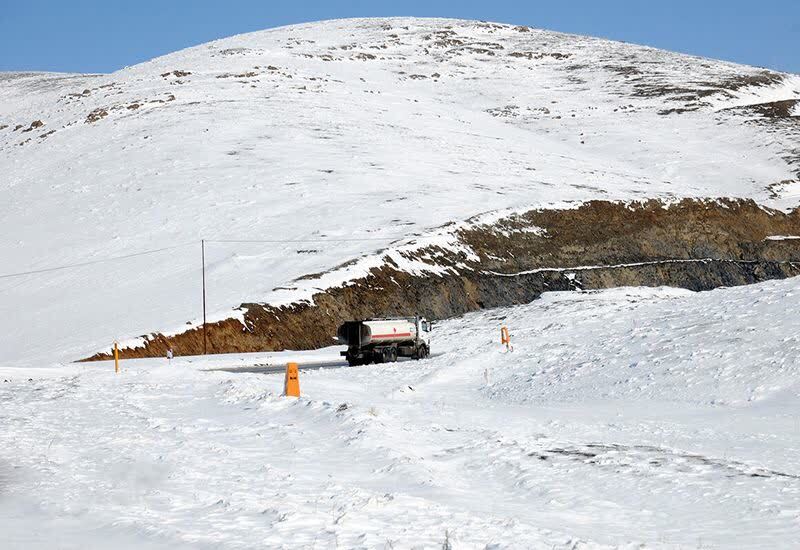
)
(622, 419)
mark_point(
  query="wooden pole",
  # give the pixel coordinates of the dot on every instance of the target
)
(116, 358)
(203, 254)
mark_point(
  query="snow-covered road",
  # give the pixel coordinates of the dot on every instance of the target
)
(624, 417)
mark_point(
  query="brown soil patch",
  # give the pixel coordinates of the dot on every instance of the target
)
(692, 94)
(774, 109)
(775, 189)
(248, 74)
(178, 74)
(541, 55)
(35, 124)
(96, 115)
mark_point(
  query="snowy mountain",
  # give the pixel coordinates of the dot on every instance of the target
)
(353, 129)
(460, 169)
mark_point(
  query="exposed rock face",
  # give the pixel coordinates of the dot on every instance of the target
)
(694, 244)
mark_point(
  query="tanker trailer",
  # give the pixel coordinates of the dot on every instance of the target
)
(384, 340)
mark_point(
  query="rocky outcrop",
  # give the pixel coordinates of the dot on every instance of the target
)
(693, 244)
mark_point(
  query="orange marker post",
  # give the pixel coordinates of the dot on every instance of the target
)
(116, 358)
(505, 337)
(291, 383)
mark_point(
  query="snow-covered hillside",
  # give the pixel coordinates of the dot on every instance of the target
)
(356, 129)
(628, 418)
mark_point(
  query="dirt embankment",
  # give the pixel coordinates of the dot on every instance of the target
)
(694, 244)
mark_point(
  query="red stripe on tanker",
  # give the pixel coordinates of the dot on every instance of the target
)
(385, 330)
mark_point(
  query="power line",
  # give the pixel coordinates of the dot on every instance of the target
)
(92, 262)
(164, 249)
(289, 241)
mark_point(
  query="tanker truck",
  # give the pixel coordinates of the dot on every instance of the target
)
(384, 340)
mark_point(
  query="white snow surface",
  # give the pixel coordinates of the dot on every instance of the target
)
(628, 418)
(348, 129)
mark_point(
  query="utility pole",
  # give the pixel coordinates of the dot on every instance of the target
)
(203, 254)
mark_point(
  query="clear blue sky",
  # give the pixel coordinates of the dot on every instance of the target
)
(102, 36)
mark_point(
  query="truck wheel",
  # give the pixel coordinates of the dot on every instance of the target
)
(388, 355)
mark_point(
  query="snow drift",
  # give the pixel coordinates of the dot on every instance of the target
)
(625, 418)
